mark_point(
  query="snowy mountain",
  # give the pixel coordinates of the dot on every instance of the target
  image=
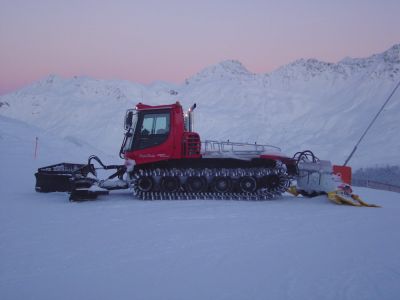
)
(307, 104)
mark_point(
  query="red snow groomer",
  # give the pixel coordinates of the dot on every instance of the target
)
(166, 159)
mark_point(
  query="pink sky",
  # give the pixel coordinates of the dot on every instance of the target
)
(147, 40)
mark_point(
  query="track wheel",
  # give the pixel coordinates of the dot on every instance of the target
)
(145, 184)
(222, 184)
(196, 184)
(272, 182)
(248, 184)
(170, 184)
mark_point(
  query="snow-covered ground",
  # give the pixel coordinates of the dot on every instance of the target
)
(121, 248)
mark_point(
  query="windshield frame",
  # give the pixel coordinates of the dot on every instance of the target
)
(130, 131)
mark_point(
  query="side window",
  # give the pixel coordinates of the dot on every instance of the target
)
(147, 125)
(154, 130)
(161, 125)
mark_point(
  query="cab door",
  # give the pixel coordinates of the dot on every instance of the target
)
(153, 138)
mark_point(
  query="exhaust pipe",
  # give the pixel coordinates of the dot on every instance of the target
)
(190, 118)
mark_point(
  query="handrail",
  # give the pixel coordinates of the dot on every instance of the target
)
(212, 146)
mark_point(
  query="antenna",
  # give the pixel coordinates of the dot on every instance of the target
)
(370, 124)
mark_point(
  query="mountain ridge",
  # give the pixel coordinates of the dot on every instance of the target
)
(307, 104)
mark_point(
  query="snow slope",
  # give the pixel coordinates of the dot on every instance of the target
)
(122, 248)
(307, 104)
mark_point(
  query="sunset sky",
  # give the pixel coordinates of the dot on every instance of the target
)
(148, 40)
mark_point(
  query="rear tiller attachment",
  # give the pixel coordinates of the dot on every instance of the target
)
(79, 180)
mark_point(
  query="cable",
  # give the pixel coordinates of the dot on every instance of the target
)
(370, 124)
(305, 156)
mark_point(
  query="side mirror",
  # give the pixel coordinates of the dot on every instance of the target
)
(128, 119)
